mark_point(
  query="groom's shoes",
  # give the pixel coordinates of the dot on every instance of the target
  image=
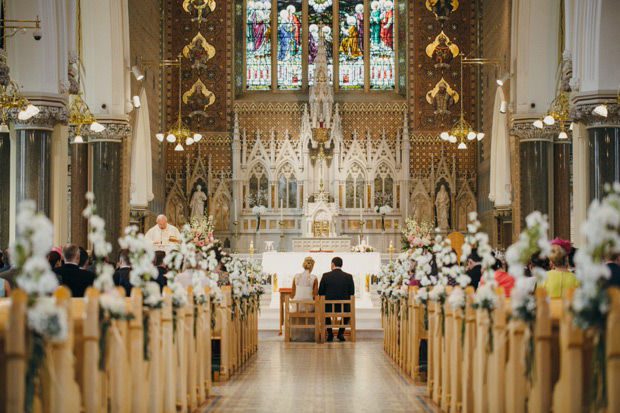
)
(341, 337)
(330, 337)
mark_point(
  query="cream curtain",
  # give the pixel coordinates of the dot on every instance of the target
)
(141, 157)
(500, 191)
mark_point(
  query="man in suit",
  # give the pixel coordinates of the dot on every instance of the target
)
(71, 275)
(121, 275)
(336, 285)
(474, 268)
(614, 268)
(162, 280)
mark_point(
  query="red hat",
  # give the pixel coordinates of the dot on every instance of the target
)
(57, 249)
(568, 247)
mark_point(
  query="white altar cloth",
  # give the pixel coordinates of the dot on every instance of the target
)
(358, 264)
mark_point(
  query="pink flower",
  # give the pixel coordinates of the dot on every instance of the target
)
(201, 243)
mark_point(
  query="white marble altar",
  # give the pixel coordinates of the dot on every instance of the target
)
(358, 264)
(336, 244)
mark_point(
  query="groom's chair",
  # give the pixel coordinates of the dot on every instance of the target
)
(306, 314)
(340, 314)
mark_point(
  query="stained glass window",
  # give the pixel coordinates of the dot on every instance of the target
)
(258, 44)
(382, 45)
(289, 45)
(351, 46)
(320, 19)
(354, 188)
(287, 187)
(384, 187)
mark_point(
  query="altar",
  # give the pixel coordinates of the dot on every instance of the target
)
(335, 244)
(358, 264)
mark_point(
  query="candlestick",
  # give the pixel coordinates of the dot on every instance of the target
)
(235, 209)
(281, 206)
(236, 224)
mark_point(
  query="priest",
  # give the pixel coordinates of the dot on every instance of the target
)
(163, 233)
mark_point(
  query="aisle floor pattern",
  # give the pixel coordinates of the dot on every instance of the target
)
(308, 377)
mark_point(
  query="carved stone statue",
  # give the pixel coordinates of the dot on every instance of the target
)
(442, 203)
(197, 203)
(442, 101)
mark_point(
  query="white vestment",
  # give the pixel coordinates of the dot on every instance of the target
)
(162, 236)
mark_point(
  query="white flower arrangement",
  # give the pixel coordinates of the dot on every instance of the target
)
(362, 248)
(48, 320)
(456, 298)
(259, 209)
(143, 272)
(417, 235)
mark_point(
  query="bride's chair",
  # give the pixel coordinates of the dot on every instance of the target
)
(304, 314)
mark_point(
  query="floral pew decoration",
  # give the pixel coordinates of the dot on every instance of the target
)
(46, 322)
(111, 303)
(590, 301)
(416, 235)
(247, 281)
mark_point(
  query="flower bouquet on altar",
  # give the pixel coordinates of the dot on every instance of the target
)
(200, 231)
(384, 200)
(416, 235)
(363, 247)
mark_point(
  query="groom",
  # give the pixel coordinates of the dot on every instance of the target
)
(336, 285)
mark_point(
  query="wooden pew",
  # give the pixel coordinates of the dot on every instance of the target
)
(309, 316)
(456, 357)
(436, 342)
(338, 311)
(430, 349)
(612, 347)
(516, 381)
(92, 377)
(497, 358)
(136, 352)
(168, 356)
(539, 399)
(447, 347)
(225, 333)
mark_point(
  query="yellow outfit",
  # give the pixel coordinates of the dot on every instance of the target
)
(557, 282)
(349, 44)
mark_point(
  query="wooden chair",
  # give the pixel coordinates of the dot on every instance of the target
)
(306, 314)
(338, 311)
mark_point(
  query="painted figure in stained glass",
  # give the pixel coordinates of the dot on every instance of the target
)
(198, 52)
(375, 23)
(313, 37)
(442, 8)
(198, 98)
(359, 18)
(289, 32)
(199, 9)
(387, 24)
(442, 97)
(442, 51)
(350, 42)
(258, 44)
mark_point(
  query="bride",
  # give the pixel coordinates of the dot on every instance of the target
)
(305, 287)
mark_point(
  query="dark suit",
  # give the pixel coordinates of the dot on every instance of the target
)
(614, 280)
(475, 274)
(77, 279)
(336, 285)
(121, 278)
(161, 278)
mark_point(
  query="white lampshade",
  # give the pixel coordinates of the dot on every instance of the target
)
(601, 110)
(178, 148)
(562, 135)
(32, 110)
(548, 120)
(471, 136)
(160, 137)
(4, 128)
(538, 124)
(452, 139)
(572, 126)
(480, 136)
(78, 139)
(503, 79)
(136, 101)
(189, 141)
(462, 146)
(137, 73)
(197, 137)
(23, 115)
(97, 127)
(444, 135)
(171, 138)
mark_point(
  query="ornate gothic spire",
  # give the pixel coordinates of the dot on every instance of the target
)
(321, 92)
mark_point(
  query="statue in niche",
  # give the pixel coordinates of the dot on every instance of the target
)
(222, 214)
(197, 203)
(199, 9)
(442, 51)
(442, 8)
(199, 97)
(442, 97)
(198, 52)
(420, 209)
(442, 204)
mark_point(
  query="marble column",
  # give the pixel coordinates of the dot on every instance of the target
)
(107, 179)
(79, 187)
(603, 159)
(562, 189)
(33, 167)
(5, 178)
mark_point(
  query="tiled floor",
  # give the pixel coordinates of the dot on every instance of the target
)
(308, 377)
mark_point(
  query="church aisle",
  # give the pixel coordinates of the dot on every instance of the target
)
(308, 377)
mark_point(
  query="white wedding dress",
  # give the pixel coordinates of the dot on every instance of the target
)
(304, 282)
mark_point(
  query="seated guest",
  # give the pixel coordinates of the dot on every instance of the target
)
(54, 259)
(559, 277)
(474, 268)
(71, 275)
(536, 261)
(501, 277)
(614, 267)
(6, 262)
(121, 275)
(162, 280)
(83, 258)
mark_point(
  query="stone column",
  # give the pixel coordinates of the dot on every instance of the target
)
(107, 179)
(5, 178)
(562, 190)
(79, 187)
(535, 158)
